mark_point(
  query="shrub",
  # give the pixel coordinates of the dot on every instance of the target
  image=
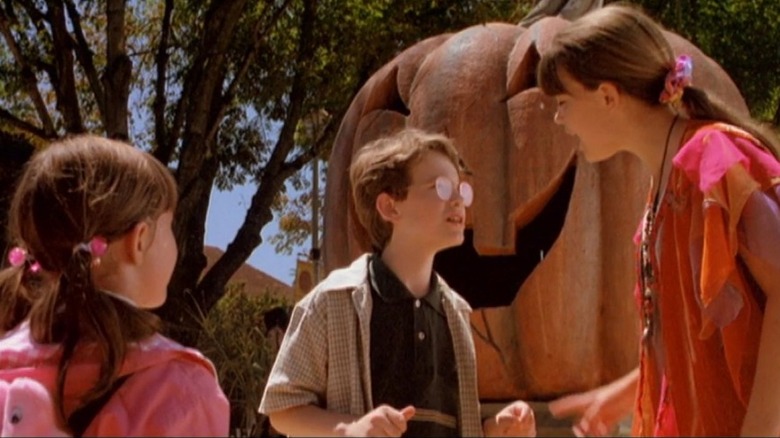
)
(233, 337)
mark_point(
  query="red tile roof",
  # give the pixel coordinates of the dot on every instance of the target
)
(255, 281)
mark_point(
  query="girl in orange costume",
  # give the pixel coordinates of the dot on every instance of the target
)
(709, 242)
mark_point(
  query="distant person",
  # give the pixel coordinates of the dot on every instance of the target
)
(383, 347)
(708, 246)
(91, 220)
(275, 320)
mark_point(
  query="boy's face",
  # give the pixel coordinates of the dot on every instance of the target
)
(424, 218)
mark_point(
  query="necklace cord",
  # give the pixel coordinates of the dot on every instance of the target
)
(647, 271)
(663, 164)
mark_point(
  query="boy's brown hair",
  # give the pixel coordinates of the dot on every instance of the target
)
(383, 166)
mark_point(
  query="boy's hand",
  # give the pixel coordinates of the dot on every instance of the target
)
(516, 419)
(382, 421)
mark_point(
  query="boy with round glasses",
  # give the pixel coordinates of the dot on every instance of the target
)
(383, 347)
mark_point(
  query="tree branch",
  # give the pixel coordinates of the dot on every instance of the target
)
(206, 79)
(64, 82)
(259, 213)
(297, 92)
(28, 77)
(86, 58)
(198, 163)
(35, 14)
(325, 138)
(119, 69)
(259, 33)
(164, 151)
(22, 125)
(160, 99)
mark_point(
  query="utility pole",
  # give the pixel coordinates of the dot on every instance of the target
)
(314, 255)
(313, 123)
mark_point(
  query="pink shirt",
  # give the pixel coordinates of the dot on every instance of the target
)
(173, 390)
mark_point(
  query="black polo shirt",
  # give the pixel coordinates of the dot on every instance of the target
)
(412, 357)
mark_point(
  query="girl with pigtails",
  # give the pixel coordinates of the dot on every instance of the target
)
(708, 246)
(93, 251)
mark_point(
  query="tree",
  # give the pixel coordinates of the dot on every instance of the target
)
(742, 36)
(216, 90)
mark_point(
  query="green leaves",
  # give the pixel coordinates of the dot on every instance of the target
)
(742, 36)
(233, 337)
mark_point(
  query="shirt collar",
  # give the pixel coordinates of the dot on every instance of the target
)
(391, 290)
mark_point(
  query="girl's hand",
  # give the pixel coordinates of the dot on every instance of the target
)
(516, 419)
(597, 412)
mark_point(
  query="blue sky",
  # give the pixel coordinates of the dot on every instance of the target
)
(226, 213)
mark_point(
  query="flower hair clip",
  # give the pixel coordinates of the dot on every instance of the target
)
(18, 256)
(97, 246)
(679, 77)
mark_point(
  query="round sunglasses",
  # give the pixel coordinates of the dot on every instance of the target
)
(445, 189)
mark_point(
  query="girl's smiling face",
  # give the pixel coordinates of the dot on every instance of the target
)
(584, 113)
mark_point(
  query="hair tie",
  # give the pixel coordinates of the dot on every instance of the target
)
(97, 246)
(679, 77)
(18, 256)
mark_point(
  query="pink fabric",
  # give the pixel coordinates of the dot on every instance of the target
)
(711, 152)
(760, 226)
(667, 420)
(27, 410)
(173, 390)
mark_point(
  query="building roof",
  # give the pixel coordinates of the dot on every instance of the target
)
(255, 281)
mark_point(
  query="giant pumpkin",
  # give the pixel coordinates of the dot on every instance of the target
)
(547, 262)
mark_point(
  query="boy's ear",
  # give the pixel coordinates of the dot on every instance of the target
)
(385, 205)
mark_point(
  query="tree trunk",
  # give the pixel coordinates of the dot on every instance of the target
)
(197, 170)
(186, 304)
(14, 153)
(64, 82)
(116, 78)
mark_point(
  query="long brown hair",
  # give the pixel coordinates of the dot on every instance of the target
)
(622, 45)
(74, 190)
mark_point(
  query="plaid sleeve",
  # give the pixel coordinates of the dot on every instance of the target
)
(299, 374)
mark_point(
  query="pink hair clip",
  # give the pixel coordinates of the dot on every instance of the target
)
(679, 77)
(18, 256)
(97, 246)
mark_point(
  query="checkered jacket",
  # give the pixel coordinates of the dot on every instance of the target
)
(324, 359)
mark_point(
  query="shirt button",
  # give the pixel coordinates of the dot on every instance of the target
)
(417, 303)
(421, 336)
